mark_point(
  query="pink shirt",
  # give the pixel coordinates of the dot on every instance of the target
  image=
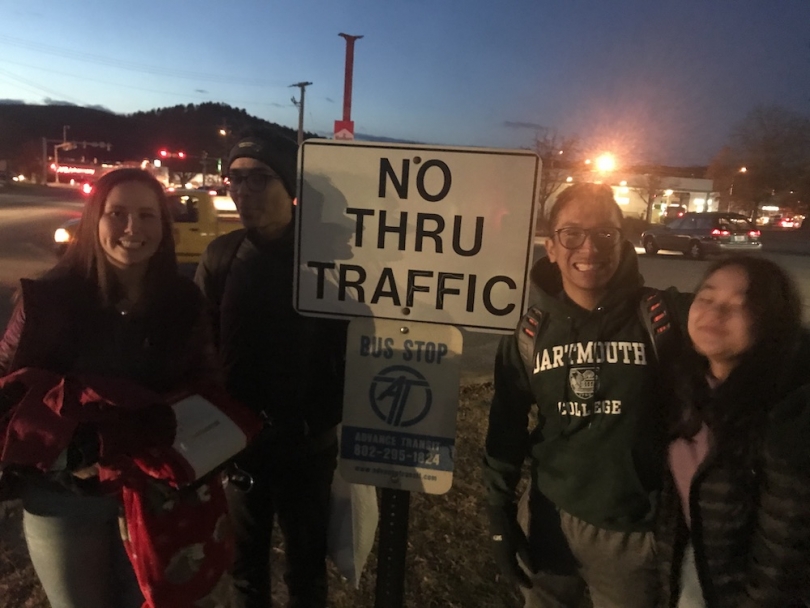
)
(685, 456)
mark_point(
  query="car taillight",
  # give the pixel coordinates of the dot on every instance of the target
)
(717, 232)
(754, 233)
(87, 188)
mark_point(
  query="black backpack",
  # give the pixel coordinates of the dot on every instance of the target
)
(653, 313)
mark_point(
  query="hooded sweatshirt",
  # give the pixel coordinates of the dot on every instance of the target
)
(597, 449)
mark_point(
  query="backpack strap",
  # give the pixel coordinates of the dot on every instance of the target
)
(653, 312)
(655, 315)
(526, 335)
(221, 267)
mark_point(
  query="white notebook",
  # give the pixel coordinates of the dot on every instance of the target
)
(206, 437)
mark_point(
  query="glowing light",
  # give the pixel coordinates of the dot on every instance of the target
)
(623, 182)
(224, 203)
(61, 236)
(623, 200)
(605, 163)
(75, 170)
(667, 192)
(569, 179)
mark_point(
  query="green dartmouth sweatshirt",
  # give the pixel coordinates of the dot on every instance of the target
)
(597, 450)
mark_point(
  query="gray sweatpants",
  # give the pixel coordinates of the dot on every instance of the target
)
(618, 569)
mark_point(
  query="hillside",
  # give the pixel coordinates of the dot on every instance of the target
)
(193, 129)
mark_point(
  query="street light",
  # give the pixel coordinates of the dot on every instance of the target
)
(605, 163)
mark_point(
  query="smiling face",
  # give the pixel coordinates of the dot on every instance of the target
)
(720, 321)
(130, 229)
(587, 269)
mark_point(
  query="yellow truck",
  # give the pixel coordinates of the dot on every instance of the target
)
(199, 217)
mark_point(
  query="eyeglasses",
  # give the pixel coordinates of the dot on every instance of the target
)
(602, 238)
(256, 180)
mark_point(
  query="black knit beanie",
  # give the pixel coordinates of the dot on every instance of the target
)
(281, 155)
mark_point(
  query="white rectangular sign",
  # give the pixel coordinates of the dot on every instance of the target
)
(399, 405)
(433, 234)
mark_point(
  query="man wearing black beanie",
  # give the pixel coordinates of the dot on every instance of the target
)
(286, 367)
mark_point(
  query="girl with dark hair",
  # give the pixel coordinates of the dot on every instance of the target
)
(116, 310)
(734, 521)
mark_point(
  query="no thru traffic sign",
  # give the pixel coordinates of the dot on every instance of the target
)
(434, 234)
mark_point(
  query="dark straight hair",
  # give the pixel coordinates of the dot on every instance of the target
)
(85, 257)
(763, 375)
(599, 194)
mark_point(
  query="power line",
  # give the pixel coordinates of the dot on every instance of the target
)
(129, 86)
(130, 65)
(41, 88)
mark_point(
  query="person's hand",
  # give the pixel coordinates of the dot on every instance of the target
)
(86, 472)
(508, 542)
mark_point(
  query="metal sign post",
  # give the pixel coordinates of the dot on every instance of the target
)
(392, 549)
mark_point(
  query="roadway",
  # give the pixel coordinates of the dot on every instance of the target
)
(27, 223)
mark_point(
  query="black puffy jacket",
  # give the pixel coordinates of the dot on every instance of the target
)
(749, 508)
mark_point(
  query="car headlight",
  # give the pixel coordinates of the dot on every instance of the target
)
(61, 236)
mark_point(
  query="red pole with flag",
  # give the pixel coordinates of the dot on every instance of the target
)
(344, 129)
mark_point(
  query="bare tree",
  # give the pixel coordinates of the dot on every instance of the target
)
(773, 144)
(557, 154)
(649, 191)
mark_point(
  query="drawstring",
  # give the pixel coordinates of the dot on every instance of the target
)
(569, 340)
(600, 327)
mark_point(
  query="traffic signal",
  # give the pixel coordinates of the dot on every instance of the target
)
(164, 153)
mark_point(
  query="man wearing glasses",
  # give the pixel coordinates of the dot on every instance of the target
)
(286, 367)
(584, 524)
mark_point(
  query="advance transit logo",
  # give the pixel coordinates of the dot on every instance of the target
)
(399, 418)
(391, 403)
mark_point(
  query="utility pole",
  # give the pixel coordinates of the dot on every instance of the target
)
(44, 161)
(344, 129)
(64, 132)
(300, 105)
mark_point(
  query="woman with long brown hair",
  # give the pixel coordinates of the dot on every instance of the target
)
(113, 308)
(734, 521)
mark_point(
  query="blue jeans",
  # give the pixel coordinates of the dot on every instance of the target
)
(76, 550)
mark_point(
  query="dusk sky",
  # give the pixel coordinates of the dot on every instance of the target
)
(650, 80)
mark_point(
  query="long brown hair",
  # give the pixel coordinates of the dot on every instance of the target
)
(85, 257)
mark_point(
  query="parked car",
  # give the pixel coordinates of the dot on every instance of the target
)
(700, 234)
(198, 216)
